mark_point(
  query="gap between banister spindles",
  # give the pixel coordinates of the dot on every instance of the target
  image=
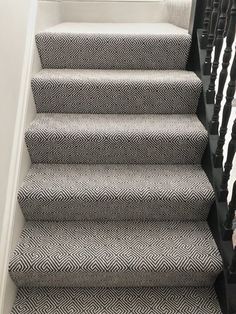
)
(223, 192)
(214, 125)
(206, 23)
(228, 224)
(211, 38)
(218, 156)
(210, 94)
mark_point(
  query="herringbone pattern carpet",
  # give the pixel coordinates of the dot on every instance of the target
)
(116, 200)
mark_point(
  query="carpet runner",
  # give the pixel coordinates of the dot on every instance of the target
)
(116, 201)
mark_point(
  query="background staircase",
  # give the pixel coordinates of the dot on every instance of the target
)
(116, 199)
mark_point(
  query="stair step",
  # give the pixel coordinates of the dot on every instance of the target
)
(116, 91)
(78, 192)
(184, 300)
(160, 46)
(115, 254)
(118, 139)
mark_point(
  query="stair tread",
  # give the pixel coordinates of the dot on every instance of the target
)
(140, 181)
(124, 247)
(116, 91)
(117, 28)
(93, 123)
(98, 138)
(77, 192)
(150, 76)
(183, 300)
(120, 46)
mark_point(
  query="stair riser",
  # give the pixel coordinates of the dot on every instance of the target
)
(119, 210)
(100, 96)
(118, 300)
(115, 148)
(113, 279)
(104, 51)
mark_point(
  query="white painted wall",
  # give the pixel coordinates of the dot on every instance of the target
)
(13, 40)
(19, 60)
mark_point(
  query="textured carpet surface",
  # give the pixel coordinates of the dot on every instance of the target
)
(116, 200)
(118, 139)
(114, 254)
(116, 192)
(117, 28)
(75, 46)
(112, 91)
(184, 300)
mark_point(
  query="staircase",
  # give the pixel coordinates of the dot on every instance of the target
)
(116, 200)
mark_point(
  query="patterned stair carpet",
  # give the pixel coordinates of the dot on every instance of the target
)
(116, 200)
(116, 300)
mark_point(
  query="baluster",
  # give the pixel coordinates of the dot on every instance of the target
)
(218, 157)
(206, 22)
(218, 47)
(223, 193)
(211, 37)
(214, 125)
(228, 17)
(232, 268)
(228, 225)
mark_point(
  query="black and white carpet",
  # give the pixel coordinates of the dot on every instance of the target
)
(116, 200)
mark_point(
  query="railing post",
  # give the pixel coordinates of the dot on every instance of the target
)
(218, 157)
(210, 95)
(206, 22)
(228, 225)
(228, 17)
(214, 125)
(211, 37)
(223, 193)
(232, 268)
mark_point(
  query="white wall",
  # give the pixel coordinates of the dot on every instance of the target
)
(19, 60)
(13, 39)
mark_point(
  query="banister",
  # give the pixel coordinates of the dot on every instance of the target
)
(218, 47)
(218, 156)
(214, 125)
(228, 225)
(211, 37)
(232, 268)
(206, 22)
(218, 19)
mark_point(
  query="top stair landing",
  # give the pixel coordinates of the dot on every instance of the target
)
(160, 46)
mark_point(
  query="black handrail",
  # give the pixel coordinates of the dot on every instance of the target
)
(213, 22)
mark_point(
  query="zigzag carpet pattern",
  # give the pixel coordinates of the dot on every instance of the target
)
(116, 139)
(116, 200)
(116, 300)
(111, 91)
(116, 192)
(80, 49)
(115, 254)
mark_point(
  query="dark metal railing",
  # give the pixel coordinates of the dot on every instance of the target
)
(224, 72)
(228, 225)
(218, 30)
(220, 20)
(232, 268)
(206, 23)
(211, 37)
(219, 38)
